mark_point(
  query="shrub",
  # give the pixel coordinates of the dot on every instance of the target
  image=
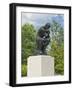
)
(24, 70)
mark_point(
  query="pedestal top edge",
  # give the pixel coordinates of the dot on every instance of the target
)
(41, 56)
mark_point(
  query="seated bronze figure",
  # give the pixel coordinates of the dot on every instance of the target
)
(43, 39)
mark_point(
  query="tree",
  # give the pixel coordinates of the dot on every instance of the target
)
(28, 41)
(58, 53)
(57, 47)
(57, 32)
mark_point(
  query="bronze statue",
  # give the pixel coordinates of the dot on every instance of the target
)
(43, 39)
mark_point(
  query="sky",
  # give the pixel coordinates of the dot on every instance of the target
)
(40, 19)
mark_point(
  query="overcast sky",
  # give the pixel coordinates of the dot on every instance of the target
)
(38, 19)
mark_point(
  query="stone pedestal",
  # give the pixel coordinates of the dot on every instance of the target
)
(41, 65)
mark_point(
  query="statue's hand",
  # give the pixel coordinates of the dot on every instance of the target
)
(46, 39)
(40, 38)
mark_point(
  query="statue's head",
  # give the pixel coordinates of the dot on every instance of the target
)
(47, 26)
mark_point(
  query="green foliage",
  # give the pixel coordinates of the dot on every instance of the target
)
(57, 47)
(58, 53)
(24, 70)
(57, 32)
(28, 41)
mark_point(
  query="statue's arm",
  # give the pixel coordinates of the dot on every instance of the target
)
(41, 31)
(40, 38)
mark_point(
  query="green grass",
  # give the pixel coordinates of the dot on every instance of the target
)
(24, 70)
